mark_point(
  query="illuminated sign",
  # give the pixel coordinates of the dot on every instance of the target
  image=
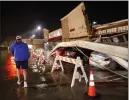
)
(113, 30)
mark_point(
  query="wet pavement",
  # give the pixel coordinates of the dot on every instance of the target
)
(49, 86)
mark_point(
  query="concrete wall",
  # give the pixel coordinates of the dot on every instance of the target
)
(38, 46)
(55, 33)
(46, 34)
(38, 41)
(34, 41)
(74, 24)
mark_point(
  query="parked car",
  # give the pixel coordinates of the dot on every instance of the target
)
(101, 60)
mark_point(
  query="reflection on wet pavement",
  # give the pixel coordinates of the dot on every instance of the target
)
(10, 68)
(21, 93)
(50, 86)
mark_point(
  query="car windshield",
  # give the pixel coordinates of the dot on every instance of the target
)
(99, 55)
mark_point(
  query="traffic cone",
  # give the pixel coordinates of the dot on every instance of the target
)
(92, 89)
(92, 94)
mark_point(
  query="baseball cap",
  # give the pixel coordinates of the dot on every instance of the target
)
(18, 37)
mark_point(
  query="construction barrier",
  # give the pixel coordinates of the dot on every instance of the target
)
(91, 88)
(92, 93)
(78, 64)
(37, 61)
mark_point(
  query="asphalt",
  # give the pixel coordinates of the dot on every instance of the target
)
(56, 86)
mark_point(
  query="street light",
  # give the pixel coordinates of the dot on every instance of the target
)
(33, 36)
(94, 22)
(39, 28)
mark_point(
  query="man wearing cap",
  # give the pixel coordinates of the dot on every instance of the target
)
(21, 54)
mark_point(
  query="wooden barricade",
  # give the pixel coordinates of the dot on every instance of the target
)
(78, 64)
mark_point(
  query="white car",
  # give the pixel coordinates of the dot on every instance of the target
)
(101, 61)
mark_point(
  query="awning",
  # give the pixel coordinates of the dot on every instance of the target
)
(55, 39)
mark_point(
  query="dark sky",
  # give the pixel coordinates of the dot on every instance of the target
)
(22, 16)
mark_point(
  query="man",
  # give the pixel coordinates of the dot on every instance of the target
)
(21, 54)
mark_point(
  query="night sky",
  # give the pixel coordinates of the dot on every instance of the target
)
(21, 17)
